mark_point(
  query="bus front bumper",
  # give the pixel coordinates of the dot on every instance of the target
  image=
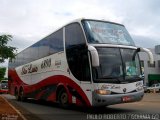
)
(105, 100)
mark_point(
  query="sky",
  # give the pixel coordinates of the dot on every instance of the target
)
(28, 21)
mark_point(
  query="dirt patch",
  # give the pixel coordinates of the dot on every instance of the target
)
(151, 97)
(7, 112)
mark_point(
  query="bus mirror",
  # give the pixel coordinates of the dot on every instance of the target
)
(94, 56)
(134, 54)
(150, 55)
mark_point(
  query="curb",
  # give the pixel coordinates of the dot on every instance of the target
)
(22, 116)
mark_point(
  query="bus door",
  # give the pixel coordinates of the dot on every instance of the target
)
(85, 82)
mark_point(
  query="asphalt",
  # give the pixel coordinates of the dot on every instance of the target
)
(41, 110)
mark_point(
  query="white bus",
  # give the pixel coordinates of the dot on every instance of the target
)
(86, 62)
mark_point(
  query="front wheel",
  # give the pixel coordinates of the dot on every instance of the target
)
(63, 98)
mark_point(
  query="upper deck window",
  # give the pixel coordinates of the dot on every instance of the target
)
(99, 32)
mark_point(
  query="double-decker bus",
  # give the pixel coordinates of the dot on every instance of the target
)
(86, 62)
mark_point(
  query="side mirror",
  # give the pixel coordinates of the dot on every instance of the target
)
(94, 56)
(150, 55)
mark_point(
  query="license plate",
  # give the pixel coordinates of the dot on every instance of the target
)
(126, 99)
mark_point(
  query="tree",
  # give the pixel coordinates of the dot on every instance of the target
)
(2, 73)
(5, 50)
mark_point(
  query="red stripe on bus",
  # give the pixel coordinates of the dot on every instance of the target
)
(48, 81)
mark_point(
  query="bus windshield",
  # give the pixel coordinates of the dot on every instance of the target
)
(117, 63)
(99, 32)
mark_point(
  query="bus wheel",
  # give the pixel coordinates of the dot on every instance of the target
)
(21, 94)
(63, 98)
(16, 95)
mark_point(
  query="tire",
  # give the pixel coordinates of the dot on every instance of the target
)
(21, 95)
(17, 95)
(63, 98)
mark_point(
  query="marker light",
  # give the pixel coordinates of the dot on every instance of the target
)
(103, 92)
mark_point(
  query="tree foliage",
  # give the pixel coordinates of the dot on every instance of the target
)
(5, 50)
(2, 73)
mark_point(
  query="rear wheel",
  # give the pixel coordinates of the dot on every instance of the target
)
(17, 95)
(63, 98)
(21, 95)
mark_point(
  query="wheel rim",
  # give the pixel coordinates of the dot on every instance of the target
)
(64, 98)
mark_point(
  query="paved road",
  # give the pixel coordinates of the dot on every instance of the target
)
(40, 110)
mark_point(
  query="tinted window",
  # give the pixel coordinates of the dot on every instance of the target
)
(20, 58)
(106, 33)
(34, 52)
(110, 63)
(76, 51)
(49, 45)
(74, 35)
(56, 42)
(132, 66)
(116, 65)
(26, 56)
(16, 61)
(43, 48)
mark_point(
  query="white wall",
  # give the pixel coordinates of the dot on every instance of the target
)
(150, 70)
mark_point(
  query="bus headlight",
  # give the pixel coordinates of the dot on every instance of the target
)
(140, 89)
(103, 92)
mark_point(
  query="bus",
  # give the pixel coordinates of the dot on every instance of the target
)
(87, 62)
(3, 86)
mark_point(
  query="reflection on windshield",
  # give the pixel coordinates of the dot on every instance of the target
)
(116, 63)
(132, 67)
(110, 63)
(105, 32)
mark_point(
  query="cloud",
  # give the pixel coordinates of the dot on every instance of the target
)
(145, 42)
(30, 20)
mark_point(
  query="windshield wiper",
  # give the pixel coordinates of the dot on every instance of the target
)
(133, 78)
(112, 78)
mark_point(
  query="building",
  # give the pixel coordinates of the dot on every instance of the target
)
(151, 71)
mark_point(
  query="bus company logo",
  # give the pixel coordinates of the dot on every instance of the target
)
(24, 70)
(29, 69)
(46, 63)
(115, 87)
(124, 90)
(108, 86)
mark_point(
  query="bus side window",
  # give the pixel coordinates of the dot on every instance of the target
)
(76, 52)
(56, 42)
(86, 68)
